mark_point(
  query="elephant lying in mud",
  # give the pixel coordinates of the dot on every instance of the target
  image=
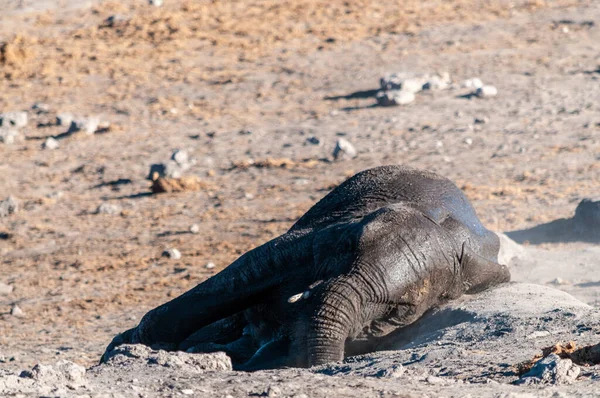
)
(371, 257)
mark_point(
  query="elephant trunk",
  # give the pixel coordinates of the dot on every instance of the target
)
(336, 314)
(234, 289)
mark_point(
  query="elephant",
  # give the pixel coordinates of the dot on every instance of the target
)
(372, 256)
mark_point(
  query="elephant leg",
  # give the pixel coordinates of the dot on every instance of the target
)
(222, 332)
(274, 354)
(479, 273)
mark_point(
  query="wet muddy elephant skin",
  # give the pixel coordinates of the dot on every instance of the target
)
(371, 257)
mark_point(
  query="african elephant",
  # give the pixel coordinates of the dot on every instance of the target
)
(372, 256)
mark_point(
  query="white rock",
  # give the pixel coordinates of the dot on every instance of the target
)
(395, 97)
(8, 136)
(413, 85)
(187, 392)
(5, 289)
(173, 254)
(108, 208)
(155, 3)
(40, 107)
(344, 149)
(437, 82)
(8, 206)
(180, 156)
(64, 119)
(473, 83)
(194, 228)
(17, 311)
(486, 91)
(13, 119)
(88, 125)
(50, 143)
(210, 265)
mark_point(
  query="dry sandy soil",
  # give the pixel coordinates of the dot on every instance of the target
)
(241, 85)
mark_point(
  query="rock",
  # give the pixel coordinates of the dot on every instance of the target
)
(486, 91)
(173, 254)
(551, 370)
(13, 119)
(273, 391)
(397, 81)
(344, 149)
(313, 141)
(17, 311)
(64, 119)
(116, 21)
(88, 125)
(182, 362)
(473, 83)
(195, 228)
(392, 81)
(50, 143)
(187, 392)
(64, 373)
(8, 136)
(482, 120)
(40, 107)
(180, 157)
(5, 289)
(8, 206)
(588, 213)
(210, 265)
(394, 98)
(155, 3)
(173, 168)
(108, 208)
(437, 82)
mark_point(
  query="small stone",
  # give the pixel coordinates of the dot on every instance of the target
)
(155, 3)
(392, 81)
(413, 85)
(50, 143)
(17, 311)
(5, 289)
(116, 21)
(180, 157)
(248, 196)
(13, 119)
(394, 97)
(108, 208)
(64, 119)
(173, 254)
(560, 281)
(437, 82)
(210, 265)
(195, 228)
(344, 149)
(473, 83)
(482, 120)
(8, 206)
(551, 370)
(245, 132)
(8, 136)
(469, 141)
(313, 141)
(88, 125)
(40, 107)
(486, 91)
(187, 392)
(537, 334)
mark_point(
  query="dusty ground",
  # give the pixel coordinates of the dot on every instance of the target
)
(193, 75)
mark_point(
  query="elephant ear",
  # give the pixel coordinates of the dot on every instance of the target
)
(480, 273)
